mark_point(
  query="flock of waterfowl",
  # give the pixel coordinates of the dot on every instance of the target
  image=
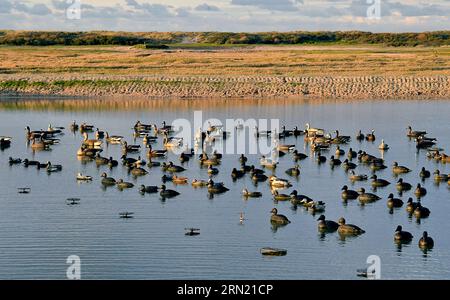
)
(320, 142)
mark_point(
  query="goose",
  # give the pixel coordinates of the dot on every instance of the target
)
(424, 173)
(14, 161)
(279, 182)
(367, 158)
(212, 170)
(179, 180)
(414, 134)
(348, 229)
(396, 169)
(237, 173)
(316, 207)
(82, 177)
(140, 126)
(107, 181)
(113, 139)
(136, 171)
(99, 134)
(183, 158)
(371, 136)
(424, 143)
(39, 145)
(278, 219)
(444, 158)
(247, 193)
(383, 146)
(33, 134)
(128, 161)
(348, 165)
(340, 139)
(91, 143)
(394, 202)
(170, 167)
(152, 164)
(172, 142)
(313, 131)
(295, 171)
(130, 148)
(298, 156)
(199, 183)
(166, 193)
(216, 188)
(402, 236)
(259, 133)
(156, 153)
(124, 185)
(411, 205)
(284, 147)
(440, 177)
(357, 177)
(420, 191)
(334, 161)
(255, 170)
(149, 139)
(351, 154)
(367, 197)
(348, 194)
(421, 211)
(326, 225)
(85, 151)
(280, 197)
(378, 182)
(5, 142)
(53, 168)
(425, 241)
(296, 132)
(403, 186)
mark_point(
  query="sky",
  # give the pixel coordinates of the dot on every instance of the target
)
(226, 15)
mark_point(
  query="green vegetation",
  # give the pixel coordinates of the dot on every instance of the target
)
(180, 39)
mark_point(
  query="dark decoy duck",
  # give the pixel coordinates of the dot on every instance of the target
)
(235, 174)
(420, 191)
(216, 188)
(242, 158)
(357, 177)
(414, 134)
(326, 225)
(278, 219)
(402, 236)
(348, 194)
(107, 181)
(348, 229)
(14, 161)
(351, 154)
(148, 189)
(367, 197)
(295, 171)
(298, 156)
(396, 169)
(247, 193)
(297, 199)
(421, 211)
(124, 185)
(411, 205)
(360, 136)
(378, 182)
(403, 186)
(371, 136)
(166, 193)
(348, 165)
(425, 241)
(335, 161)
(394, 202)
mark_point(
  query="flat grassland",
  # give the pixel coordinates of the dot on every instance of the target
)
(203, 70)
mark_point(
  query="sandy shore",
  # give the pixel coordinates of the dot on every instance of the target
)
(345, 87)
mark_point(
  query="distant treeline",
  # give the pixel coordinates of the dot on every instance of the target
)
(46, 38)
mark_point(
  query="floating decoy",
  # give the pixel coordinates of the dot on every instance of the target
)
(27, 162)
(166, 193)
(247, 193)
(82, 177)
(280, 197)
(440, 177)
(99, 134)
(383, 146)
(107, 181)
(420, 191)
(24, 190)
(113, 139)
(278, 219)
(335, 161)
(14, 161)
(316, 207)
(376, 166)
(259, 133)
(351, 154)
(91, 143)
(152, 164)
(298, 156)
(130, 148)
(425, 241)
(339, 151)
(85, 151)
(326, 225)
(243, 158)
(320, 158)
(148, 189)
(371, 136)
(340, 139)
(424, 143)
(138, 171)
(394, 202)
(297, 199)
(112, 163)
(279, 182)
(295, 171)
(39, 145)
(192, 231)
(73, 201)
(313, 131)
(258, 177)
(170, 167)
(86, 127)
(403, 186)
(199, 183)
(100, 160)
(183, 158)
(348, 229)
(348, 194)
(212, 170)
(348, 165)
(149, 139)
(360, 136)
(140, 126)
(216, 188)
(267, 163)
(414, 134)
(421, 211)
(179, 180)
(367, 197)
(123, 184)
(235, 174)
(357, 177)
(5, 142)
(268, 251)
(74, 126)
(378, 182)
(402, 236)
(396, 169)
(411, 205)
(126, 215)
(53, 168)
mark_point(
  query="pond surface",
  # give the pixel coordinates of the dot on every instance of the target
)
(38, 231)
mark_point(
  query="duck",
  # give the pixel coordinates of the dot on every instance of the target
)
(421, 211)
(297, 199)
(348, 229)
(128, 161)
(14, 161)
(339, 151)
(367, 197)
(183, 157)
(247, 193)
(112, 163)
(107, 181)
(74, 126)
(425, 241)
(136, 171)
(357, 177)
(99, 134)
(279, 182)
(360, 136)
(113, 139)
(85, 151)
(27, 162)
(378, 182)
(348, 194)
(440, 177)
(411, 205)
(147, 139)
(298, 156)
(316, 207)
(152, 164)
(199, 183)
(34, 134)
(376, 166)
(280, 197)
(278, 219)
(141, 126)
(348, 165)
(172, 142)
(170, 167)
(414, 134)
(402, 236)
(216, 188)
(235, 173)
(91, 143)
(123, 184)
(351, 154)
(212, 170)
(394, 202)
(383, 146)
(371, 136)
(403, 186)
(254, 170)
(130, 148)
(179, 180)
(242, 158)
(82, 177)
(424, 173)
(100, 160)
(420, 191)
(51, 168)
(266, 163)
(258, 177)
(86, 127)
(326, 225)
(320, 158)
(295, 171)
(156, 153)
(334, 161)
(166, 193)
(396, 169)
(39, 145)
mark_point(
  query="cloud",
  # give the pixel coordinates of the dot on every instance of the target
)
(153, 9)
(39, 9)
(206, 7)
(5, 6)
(273, 5)
(358, 8)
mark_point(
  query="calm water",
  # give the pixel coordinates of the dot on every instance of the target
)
(39, 231)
